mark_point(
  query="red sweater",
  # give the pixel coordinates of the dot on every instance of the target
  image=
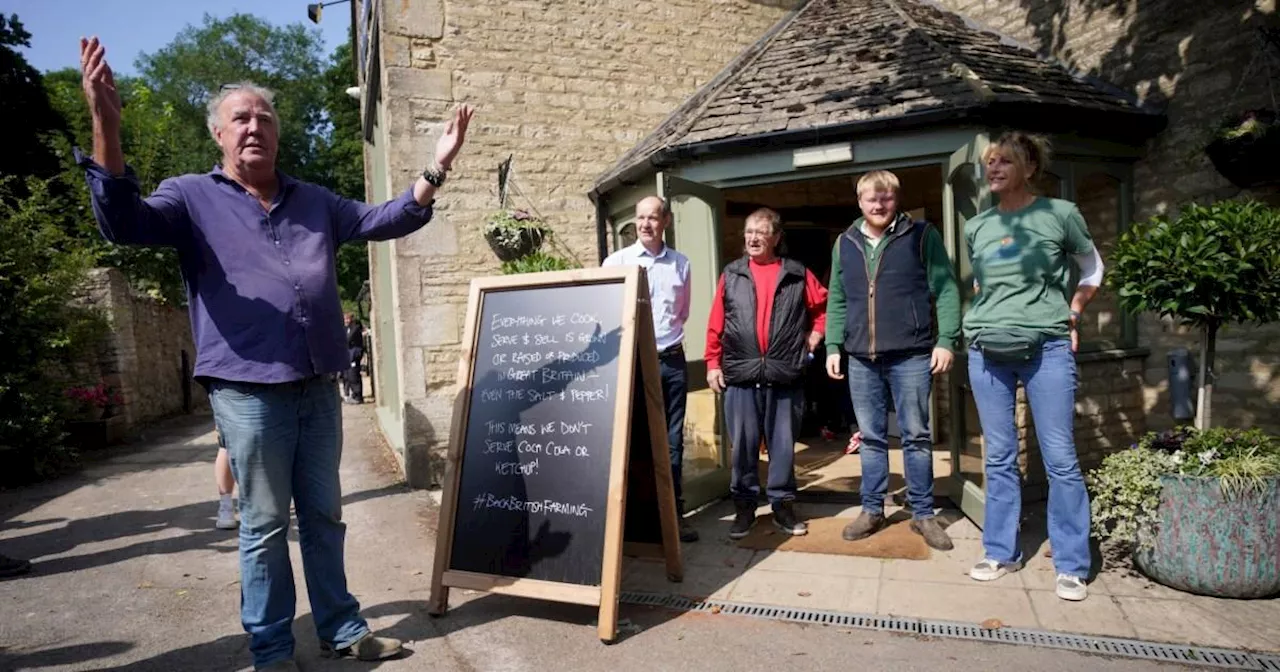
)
(765, 278)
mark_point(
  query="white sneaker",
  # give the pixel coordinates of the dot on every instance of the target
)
(226, 518)
(990, 570)
(1070, 587)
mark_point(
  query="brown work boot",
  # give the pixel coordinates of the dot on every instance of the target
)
(933, 534)
(866, 525)
(365, 648)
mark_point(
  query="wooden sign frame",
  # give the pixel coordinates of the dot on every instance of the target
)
(637, 349)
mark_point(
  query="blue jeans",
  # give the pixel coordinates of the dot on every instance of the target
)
(675, 389)
(285, 442)
(907, 380)
(1050, 381)
(774, 414)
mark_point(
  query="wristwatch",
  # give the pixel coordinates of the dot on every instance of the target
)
(434, 176)
(1073, 316)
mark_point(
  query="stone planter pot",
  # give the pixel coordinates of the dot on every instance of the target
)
(1214, 545)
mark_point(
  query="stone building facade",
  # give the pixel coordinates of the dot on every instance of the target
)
(565, 87)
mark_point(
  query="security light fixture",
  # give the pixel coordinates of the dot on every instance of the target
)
(313, 9)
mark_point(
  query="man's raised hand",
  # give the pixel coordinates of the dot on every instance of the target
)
(455, 133)
(99, 84)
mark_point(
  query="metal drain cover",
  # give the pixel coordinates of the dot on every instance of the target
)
(1109, 646)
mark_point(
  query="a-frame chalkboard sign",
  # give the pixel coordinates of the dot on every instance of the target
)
(558, 453)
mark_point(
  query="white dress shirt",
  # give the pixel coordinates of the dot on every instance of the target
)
(668, 273)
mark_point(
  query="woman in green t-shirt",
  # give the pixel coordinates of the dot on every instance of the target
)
(1022, 327)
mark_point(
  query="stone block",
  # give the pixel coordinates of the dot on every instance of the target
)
(396, 50)
(431, 325)
(434, 84)
(414, 18)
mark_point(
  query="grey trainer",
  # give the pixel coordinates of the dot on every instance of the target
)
(368, 647)
(864, 526)
(933, 534)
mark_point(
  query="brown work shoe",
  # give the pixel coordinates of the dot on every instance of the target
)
(366, 648)
(933, 534)
(866, 525)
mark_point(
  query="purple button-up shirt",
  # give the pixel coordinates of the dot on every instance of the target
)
(262, 287)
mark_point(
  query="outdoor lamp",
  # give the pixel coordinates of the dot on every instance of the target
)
(313, 9)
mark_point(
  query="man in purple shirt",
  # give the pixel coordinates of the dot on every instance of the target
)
(257, 253)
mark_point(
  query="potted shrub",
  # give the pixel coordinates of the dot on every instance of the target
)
(98, 425)
(512, 234)
(1198, 511)
(1208, 267)
(1244, 148)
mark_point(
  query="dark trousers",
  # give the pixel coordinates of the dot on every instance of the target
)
(771, 413)
(351, 377)
(675, 388)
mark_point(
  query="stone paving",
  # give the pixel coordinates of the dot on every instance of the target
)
(1120, 603)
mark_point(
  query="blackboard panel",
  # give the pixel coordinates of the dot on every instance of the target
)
(532, 493)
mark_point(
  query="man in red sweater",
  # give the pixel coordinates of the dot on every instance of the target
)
(766, 320)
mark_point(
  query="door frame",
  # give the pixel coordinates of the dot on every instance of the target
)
(969, 496)
(697, 218)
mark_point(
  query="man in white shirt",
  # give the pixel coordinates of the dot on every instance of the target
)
(668, 274)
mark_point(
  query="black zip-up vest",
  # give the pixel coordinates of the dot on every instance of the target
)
(889, 314)
(789, 327)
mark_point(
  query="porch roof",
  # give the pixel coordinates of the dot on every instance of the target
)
(841, 67)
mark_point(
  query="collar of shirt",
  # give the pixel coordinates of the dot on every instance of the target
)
(286, 182)
(642, 251)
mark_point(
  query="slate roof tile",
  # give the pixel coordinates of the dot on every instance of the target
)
(835, 61)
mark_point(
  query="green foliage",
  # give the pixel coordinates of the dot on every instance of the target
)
(1242, 459)
(1125, 489)
(1209, 266)
(340, 158)
(191, 69)
(537, 262)
(515, 230)
(41, 335)
(1125, 495)
(1249, 125)
(24, 105)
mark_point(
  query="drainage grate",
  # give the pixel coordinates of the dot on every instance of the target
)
(1109, 646)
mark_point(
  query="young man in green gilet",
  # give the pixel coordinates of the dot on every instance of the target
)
(885, 269)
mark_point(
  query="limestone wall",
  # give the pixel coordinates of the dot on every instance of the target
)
(142, 358)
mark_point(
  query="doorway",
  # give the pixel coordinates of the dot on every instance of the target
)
(815, 212)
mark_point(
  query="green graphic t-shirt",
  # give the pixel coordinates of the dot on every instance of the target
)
(1021, 264)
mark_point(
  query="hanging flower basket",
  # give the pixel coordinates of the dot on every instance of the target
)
(1245, 149)
(514, 234)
